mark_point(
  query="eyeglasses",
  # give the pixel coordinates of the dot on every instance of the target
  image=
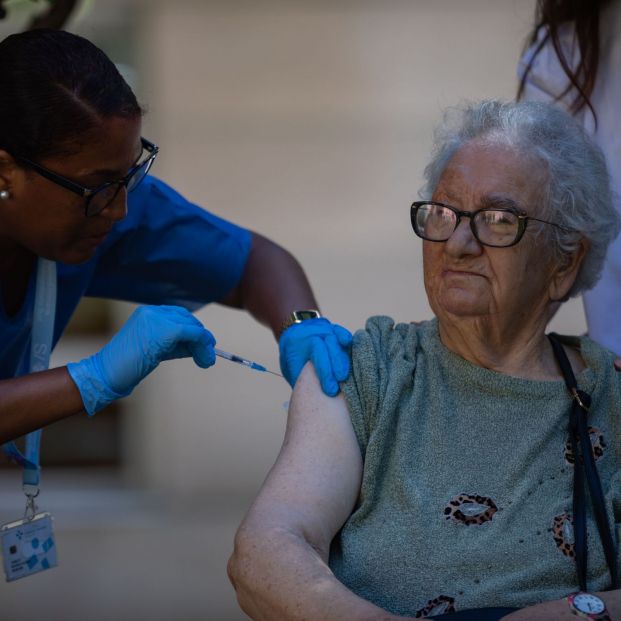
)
(499, 227)
(97, 199)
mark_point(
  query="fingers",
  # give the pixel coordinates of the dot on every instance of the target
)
(202, 350)
(183, 341)
(296, 346)
(321, 342)
(343, 335)
(323, 367)
(173, 332)
(291, 365)
(339, 360)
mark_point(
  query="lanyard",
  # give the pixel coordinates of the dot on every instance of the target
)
(40, 350)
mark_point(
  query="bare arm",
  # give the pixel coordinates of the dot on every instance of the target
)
(36, 400)
(279, 566)
(273, 284)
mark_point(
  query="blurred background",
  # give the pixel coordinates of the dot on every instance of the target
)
(309, 121)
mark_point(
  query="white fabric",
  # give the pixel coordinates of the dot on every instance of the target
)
(545, 82)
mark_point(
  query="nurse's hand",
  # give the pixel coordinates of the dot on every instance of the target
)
(323, 343)
(152, 334)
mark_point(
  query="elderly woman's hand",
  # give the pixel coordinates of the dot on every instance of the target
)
(559, 609)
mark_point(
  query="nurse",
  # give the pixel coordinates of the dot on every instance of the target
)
(80, 214)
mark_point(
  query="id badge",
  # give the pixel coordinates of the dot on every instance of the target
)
(28, 546)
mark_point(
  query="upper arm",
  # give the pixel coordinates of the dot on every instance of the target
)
(235, 297)
(313, 486)
(272, 284)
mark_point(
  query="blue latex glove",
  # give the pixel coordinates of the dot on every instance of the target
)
(321, 342)
(152, 334)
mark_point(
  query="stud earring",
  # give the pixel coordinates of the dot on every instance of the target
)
(4, 194)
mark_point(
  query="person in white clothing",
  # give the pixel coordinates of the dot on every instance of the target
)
(573, 57)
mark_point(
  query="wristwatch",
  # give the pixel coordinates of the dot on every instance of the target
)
(298, 316)
(588, 606)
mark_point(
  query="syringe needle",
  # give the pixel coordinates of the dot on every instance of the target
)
(243, 361)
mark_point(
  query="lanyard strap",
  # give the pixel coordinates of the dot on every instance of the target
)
(40, 350)
(584, 468)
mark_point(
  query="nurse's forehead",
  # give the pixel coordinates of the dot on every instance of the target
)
(111, 146)
(118, 166)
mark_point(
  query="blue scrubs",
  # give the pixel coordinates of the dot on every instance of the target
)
(166, 251)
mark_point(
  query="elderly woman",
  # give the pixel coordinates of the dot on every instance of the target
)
(444, 478)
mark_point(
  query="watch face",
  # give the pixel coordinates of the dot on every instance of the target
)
(303, 315)
(591, 604)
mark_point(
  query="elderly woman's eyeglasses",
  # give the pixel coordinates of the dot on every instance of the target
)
(499, 227)
(97, 199)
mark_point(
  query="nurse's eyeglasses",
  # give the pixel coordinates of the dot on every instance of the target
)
(97, 199)
(498, 227)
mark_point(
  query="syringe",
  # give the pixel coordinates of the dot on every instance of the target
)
(247, 363)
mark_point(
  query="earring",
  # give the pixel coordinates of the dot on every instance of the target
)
(4, 194)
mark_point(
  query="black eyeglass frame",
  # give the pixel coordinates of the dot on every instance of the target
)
(88, 193)
(520, 215)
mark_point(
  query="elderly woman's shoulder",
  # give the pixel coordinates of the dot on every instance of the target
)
(383, 353)
(594, 355)
(382, 333)
(596, 362)
(385, 325)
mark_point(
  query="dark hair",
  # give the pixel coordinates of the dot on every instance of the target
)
(585, 17)
(56, 87)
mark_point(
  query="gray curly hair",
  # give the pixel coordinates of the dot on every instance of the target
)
(576, 193)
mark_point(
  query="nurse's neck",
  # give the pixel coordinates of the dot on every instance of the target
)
(16, 267)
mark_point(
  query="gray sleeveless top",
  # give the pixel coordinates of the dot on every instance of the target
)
(466, 496)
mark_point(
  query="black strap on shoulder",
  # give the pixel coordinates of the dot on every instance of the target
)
(584, 468)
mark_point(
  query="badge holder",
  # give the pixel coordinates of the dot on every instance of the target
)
(28, 545)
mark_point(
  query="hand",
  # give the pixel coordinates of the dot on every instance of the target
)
(152, 334)
(321, 342)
